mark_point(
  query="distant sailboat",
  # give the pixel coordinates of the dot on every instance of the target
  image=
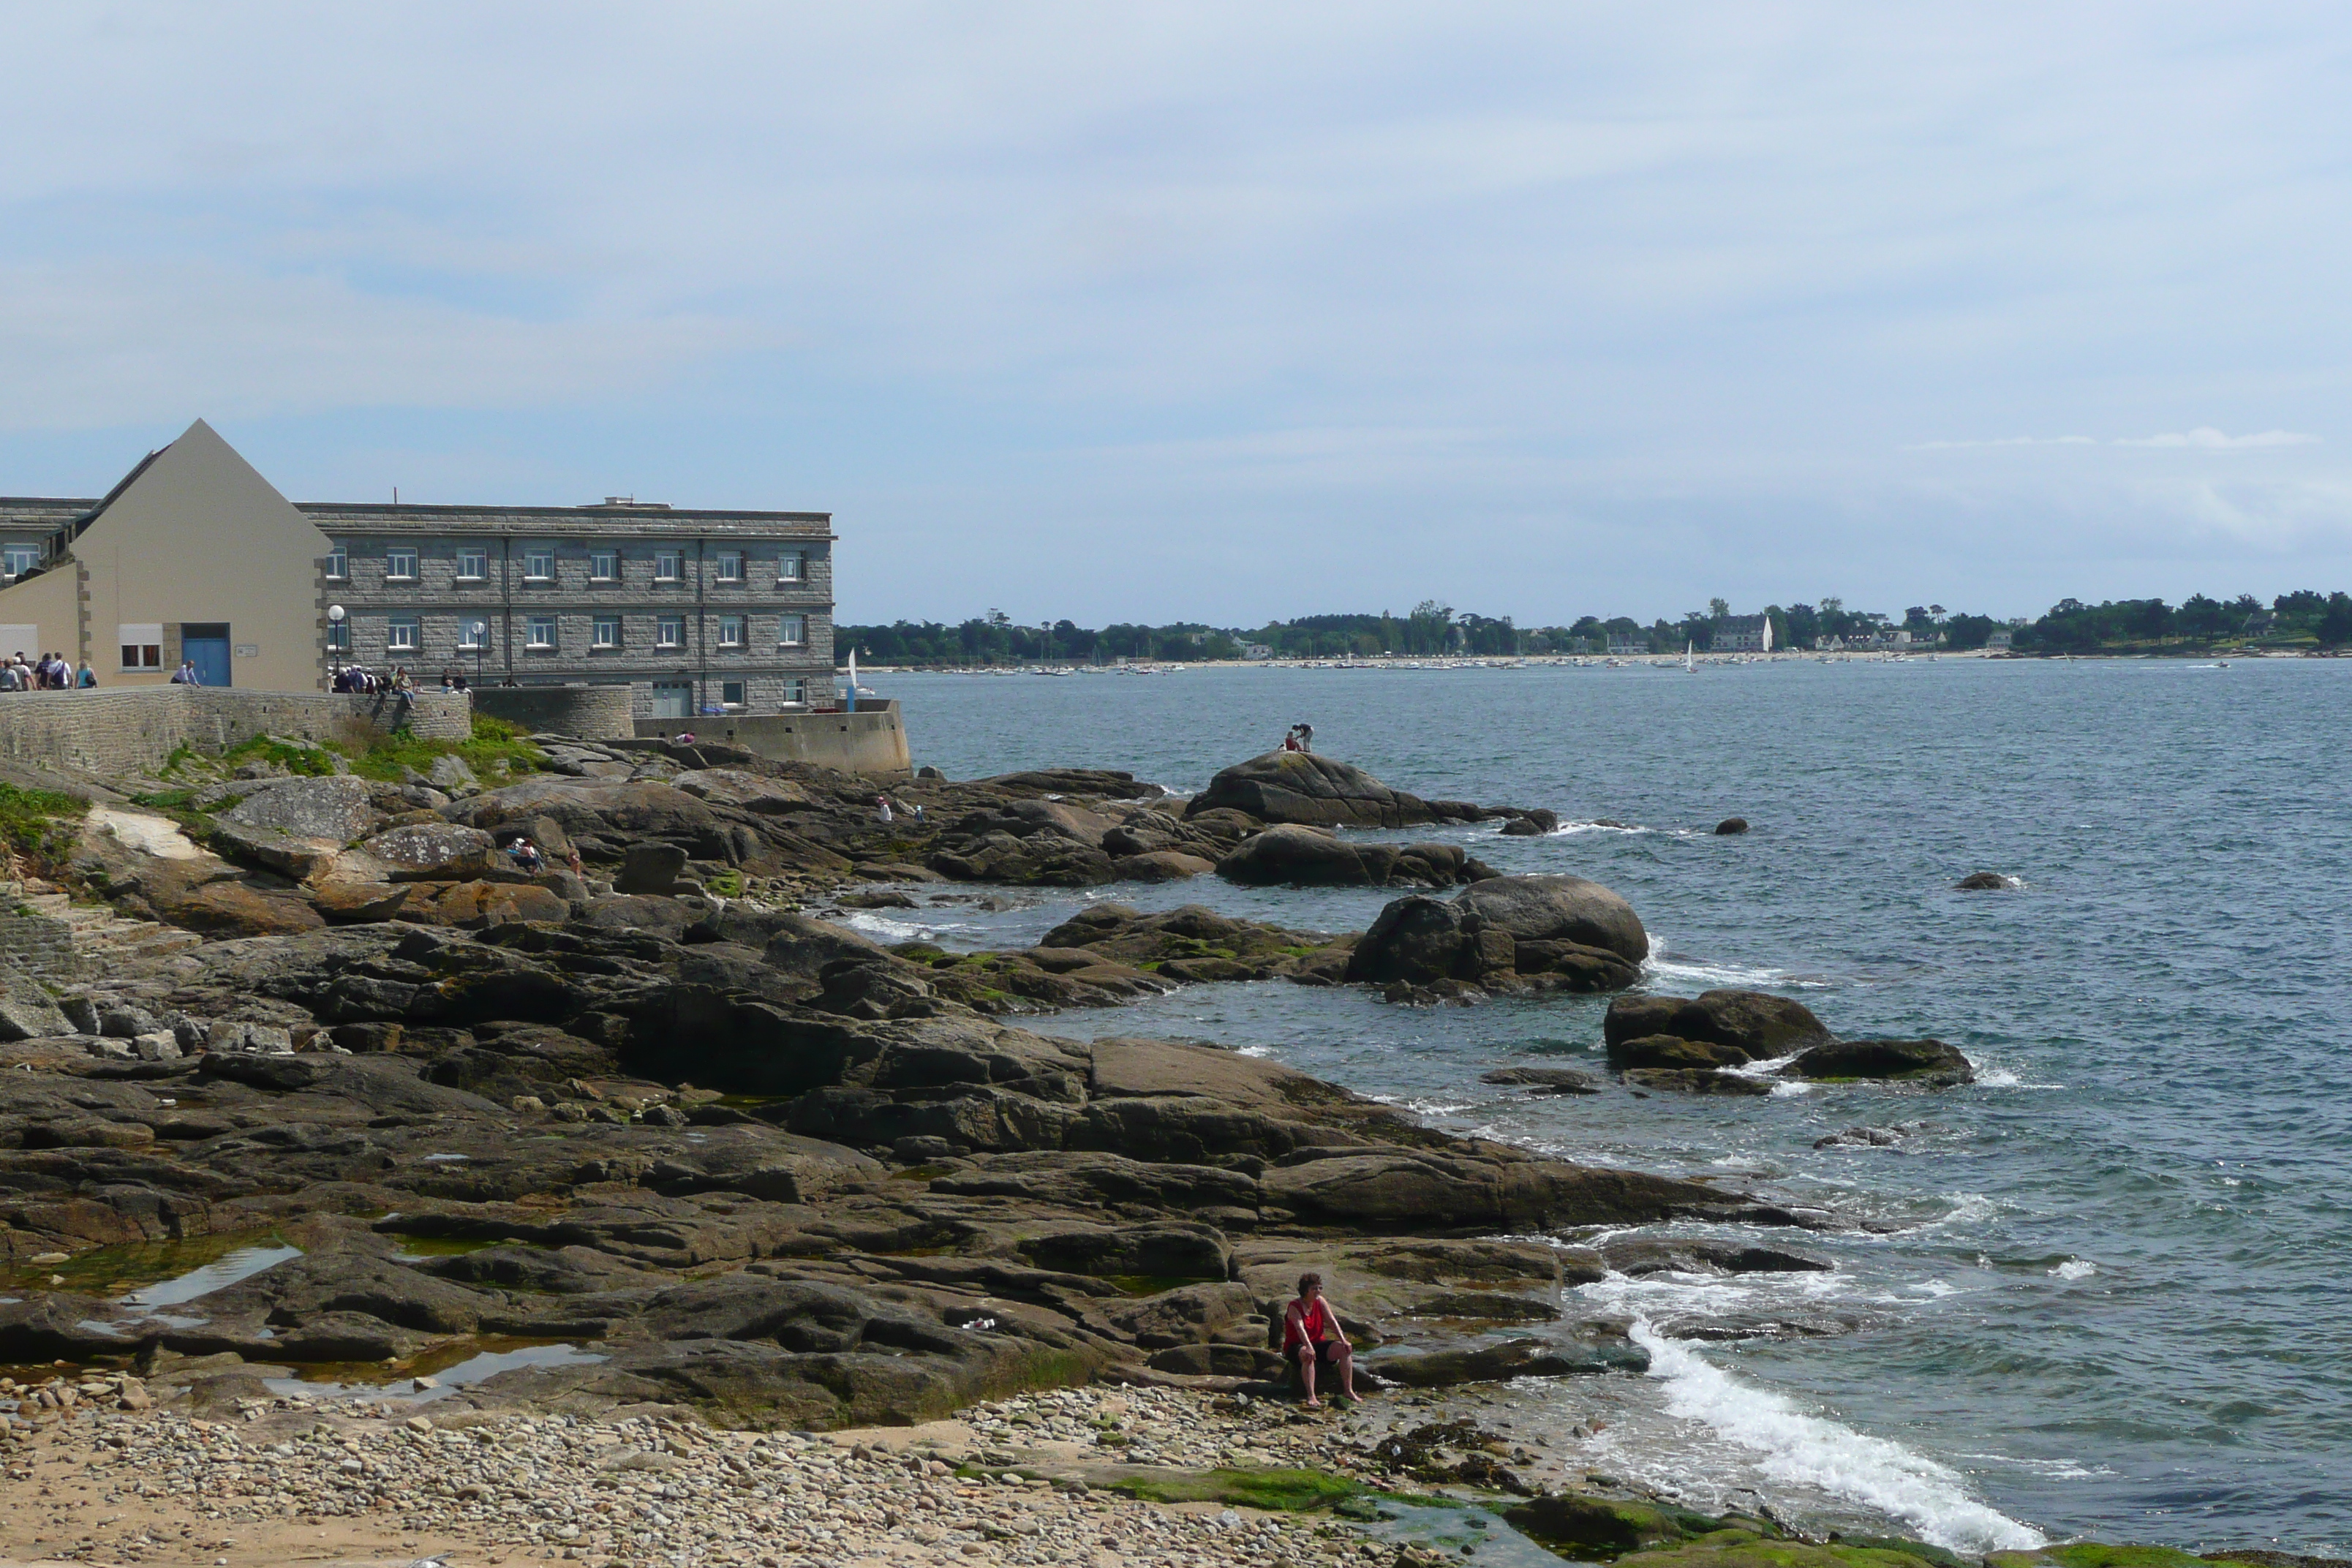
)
(1768, 634)
(1690, 665)
(855, 690)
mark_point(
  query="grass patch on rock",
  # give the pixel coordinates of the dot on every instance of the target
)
(493, 750)
(29, 816)
(1274, 1491)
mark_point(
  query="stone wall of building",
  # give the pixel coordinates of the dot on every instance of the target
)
(872, 740)
(37, 944)
(689, 601)
(127, 730)
(590, 712)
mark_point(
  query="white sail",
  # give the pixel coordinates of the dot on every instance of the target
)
(1768, 634)
(852, 680)
(1690, 665)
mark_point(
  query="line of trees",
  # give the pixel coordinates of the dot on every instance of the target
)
(1430, 629)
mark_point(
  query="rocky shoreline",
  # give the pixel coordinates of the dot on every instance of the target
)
(639, 1158)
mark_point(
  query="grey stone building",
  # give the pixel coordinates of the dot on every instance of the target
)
(700, 611)
(193, 554)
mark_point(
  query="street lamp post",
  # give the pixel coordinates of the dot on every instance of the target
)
(336, 614)
(480, 632)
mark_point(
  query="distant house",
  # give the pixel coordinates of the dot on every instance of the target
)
(1826, 644)
(1999, 641)
(1625, 643)
(1257, 651)
(1739, 634)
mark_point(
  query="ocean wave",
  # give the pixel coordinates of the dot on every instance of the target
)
(1816, 1452)
(2003, 1077)
(884, 927)
(1567, 829)
(2073, 1269)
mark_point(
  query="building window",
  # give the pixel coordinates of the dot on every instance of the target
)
(605, 632)
(730, 631)
(731, 692)
(604, 565)
(400, 632)
(791, 566)
(339, 564)
(473, 635)
(791, 631)
(537, 565)
(670, 632)
(795, 694)
(543, 632)
(141, 645)
(730, 565)
(400, 565)
(473, 565)
(668, 567)
(338, 641)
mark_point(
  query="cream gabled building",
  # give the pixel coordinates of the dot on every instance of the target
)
(194, 555)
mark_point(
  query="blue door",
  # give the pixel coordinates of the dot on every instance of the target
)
(206, 647)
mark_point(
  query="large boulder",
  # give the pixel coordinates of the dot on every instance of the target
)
(615, 812)
(26, 1012)
(1570, 933)
(336, 809)
(1302, 857)
(1757, 1024)
(1303, 787)
(1928, 1064)
(1560, 908)
(431, 852)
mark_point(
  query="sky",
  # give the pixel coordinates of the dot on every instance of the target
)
(1230, 312)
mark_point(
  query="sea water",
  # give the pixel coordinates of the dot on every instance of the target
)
(2101, 1291)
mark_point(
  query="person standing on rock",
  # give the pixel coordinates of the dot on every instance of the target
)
(1312, 1337)
(882, 809)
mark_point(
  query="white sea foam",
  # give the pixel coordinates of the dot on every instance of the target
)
(1814, 1451)
(2003, 1077)
(1683, 972)
(1566, 828)
(2075, 1268)
(885, 928)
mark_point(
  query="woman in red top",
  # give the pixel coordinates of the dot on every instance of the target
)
(1312, 1337)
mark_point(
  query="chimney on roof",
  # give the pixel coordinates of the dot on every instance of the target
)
(633, 502)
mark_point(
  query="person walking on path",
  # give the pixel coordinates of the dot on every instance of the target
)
(85, 677)
(1312, 1337)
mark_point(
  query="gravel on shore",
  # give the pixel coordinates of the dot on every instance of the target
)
(97, 1482)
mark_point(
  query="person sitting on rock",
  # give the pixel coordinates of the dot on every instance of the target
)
(526, 857)
(1312, 1337)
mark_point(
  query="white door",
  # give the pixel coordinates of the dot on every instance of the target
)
(673, 701)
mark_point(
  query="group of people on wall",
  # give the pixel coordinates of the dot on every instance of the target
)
(50, 672)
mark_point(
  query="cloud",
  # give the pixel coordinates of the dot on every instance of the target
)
(1297, 291)
(2205, 438)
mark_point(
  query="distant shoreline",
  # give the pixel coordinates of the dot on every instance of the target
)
(1589, 661)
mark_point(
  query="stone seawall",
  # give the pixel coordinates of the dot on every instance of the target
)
(871, 740)
(589, 712)
(125, 731)
(35, 943)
